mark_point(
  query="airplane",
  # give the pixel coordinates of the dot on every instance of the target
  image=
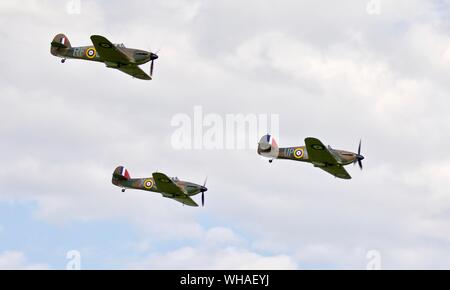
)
(325, 158)
(173, 188)
(115, 56)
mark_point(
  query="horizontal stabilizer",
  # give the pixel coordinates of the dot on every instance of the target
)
(58, 44)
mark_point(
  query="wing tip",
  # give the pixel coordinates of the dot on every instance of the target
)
(311, 139)
(143, 77)
(341, 176)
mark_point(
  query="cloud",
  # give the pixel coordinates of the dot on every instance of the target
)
(328, 69)
(223, 259)
(220, 249)
(15, 260)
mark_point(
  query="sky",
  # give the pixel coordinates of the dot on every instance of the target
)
(340, 71)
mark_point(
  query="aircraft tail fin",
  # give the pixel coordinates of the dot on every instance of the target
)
(268, 147)
(60, 41)
(120, 174)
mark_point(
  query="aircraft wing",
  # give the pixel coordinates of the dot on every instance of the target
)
(134, 71)
(321, 157)
(186, 200)
(171, 190)
(337, 171)
(108, 51)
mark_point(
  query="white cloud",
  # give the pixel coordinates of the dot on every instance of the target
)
(15, 260)
(219, 248)
(228, 258)
(329, 69)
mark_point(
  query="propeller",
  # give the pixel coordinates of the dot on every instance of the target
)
(151, 68)
(153, 56)
(359, 157)
(203, 189)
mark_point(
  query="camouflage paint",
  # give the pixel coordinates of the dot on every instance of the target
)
(128, 62)
(148, 183)
(268, 147)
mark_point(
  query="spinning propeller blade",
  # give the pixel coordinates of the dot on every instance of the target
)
(359, 157)
(153, 56)
(151, 68)
(203, 191)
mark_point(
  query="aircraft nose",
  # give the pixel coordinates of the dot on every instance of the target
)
(153, 56)
(360, 157)
(203, 189)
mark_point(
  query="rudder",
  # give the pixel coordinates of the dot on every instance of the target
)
(120, 174)
(268, 147)
(60, 41)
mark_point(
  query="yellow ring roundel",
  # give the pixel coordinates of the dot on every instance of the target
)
(298, 153)
(148, 184)
(91, 52)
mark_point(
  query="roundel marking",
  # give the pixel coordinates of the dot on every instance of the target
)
(298, 153)
(91, 52)
(148, 184)
(105, 45)
(317, 147)
(165, 180)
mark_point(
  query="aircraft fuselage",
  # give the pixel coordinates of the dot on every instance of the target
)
(135, 56)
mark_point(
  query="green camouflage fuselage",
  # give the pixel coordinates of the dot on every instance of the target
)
(148, 184)
(300, 153)
(268, 147)
(135, 56)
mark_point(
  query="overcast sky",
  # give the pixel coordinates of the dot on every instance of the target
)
(335, 70)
